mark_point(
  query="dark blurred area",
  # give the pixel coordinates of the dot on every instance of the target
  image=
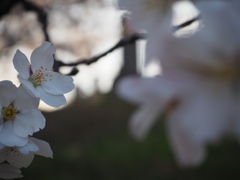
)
(90, 141)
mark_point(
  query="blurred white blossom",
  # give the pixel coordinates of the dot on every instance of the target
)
(9, 172)
(23, 156)
(199, 87)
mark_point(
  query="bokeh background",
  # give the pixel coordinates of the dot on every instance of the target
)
(89, 136)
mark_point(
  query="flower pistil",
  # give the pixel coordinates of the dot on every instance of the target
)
(9, 113)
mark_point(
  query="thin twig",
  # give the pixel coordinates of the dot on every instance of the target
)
(123, 42)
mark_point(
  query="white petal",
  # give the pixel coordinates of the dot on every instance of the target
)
(187, 151)
(43, 56)
(44, 148)
(21, 64)
(50, 99)
(9, 138)
(28, 121)
(205, 113)
(28, 86)
(24, 100)
(19, 160)
(155, 36)
(9, 172)
(8, 93)
(144, 118)
(140, 90)
(29, 147)
(135, 89)
(60, 84)
(131, 89)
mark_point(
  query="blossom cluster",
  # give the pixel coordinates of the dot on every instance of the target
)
(198, 87)
(19, 115)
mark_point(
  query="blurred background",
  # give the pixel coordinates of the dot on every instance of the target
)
(89, 136)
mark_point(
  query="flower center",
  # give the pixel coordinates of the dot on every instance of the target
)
(41, 75)
(9, 113)
(13, 150)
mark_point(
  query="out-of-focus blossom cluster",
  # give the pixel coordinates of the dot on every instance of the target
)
(19, 114)
(198, 88)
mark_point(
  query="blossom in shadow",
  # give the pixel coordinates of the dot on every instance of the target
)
(38, 77)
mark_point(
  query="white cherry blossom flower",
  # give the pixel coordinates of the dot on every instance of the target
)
(199, 88)
(39, 79)
(23, 156)
(9, 172)
(19, 116)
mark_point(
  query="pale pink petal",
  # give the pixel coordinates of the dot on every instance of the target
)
(187, 151)
(24, 100)
(19, 160)
(29, 147)
(43, 56)
(21, 64)
(9, 172)
(8, 93)
(60, 84)
(144, 118)
(44, 148)
(28, 121)
(9, 138)
(50, 99)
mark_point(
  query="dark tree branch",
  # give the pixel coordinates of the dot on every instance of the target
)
(41, 14)
(121, 43)
(7, 5)
(185, 24)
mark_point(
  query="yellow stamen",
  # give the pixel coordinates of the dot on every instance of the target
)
(9, 113)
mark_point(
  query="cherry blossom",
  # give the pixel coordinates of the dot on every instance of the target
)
(9, 172)
(23, 156)
(198, 89)
(38, 77)
(19, 116)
